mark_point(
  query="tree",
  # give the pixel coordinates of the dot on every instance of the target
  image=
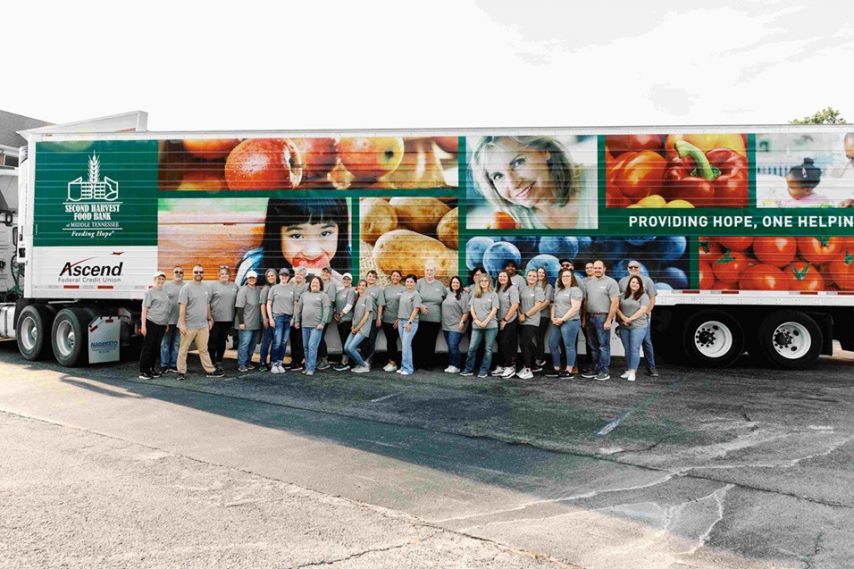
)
(824, 116)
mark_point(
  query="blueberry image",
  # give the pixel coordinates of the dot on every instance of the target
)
(585, 246)
(549, 262)
(498, 254)
(638, 240)
(560, 247)
(527, 244)
(668, 248)
(475, 249)
(610, 249)
(663, 287)
(674, 276)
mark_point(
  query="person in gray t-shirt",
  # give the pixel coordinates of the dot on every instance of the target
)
(532, 299)
(155, 320)
(223, 295)
(408, 320)
(172, 338)
(483, 306)
(390, 302)
(248, 320)
(455, 315)
(313, 308)
(194, 321)
(600, 308)
(565, 315)
(631, 314)
(649, 288)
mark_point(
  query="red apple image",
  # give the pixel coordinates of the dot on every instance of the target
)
(264, 164)
(210, 148)
(450, 144)
(369, 159)
(319, 156)
(202, 180)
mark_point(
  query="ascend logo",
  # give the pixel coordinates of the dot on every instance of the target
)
(83, 268)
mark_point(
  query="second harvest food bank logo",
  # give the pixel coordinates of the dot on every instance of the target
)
(93, 203)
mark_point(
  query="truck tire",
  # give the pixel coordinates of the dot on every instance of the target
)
(713, 338)
(70, 336)
(789, 339)
(33, 327)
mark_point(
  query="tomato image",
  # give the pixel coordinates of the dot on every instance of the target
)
(820, 249)
(762, 277)
(841, 270)
(709, 250)
(707, 276)
(804, 276)
(729, 267)
(777, 251)
(736, 243)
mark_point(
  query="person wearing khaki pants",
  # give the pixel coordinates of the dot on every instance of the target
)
(194, 322)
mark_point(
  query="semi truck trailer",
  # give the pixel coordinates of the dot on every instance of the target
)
(746, 231)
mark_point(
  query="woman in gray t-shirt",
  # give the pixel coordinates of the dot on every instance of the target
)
(483, 306)
(156, 309)
(508, 332)
(408, 313)
(455, 314)
(631, 315)
(532, 299)
(545, 315)
(390, 298)
(361, 327)
(566, 308)
(345, 299)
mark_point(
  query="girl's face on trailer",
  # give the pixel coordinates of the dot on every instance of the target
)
(310, 245)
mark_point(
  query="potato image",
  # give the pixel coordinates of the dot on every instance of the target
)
(377, 217)
(408, 252)
(447, 229)
(419, 214)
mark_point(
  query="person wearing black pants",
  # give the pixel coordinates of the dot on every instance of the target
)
(223, 297)
(532, 299)
(545, 319)
(156, 309)
(508, 338)
(433, 293)
(390, 305)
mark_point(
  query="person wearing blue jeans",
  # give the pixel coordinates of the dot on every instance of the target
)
(247, 340)
(455, 315)
(311, 341)
(636, 268)
(362, 322)
(565, 311)
(634, 304)
(268, 324)
(408, 312)
(281, 300)
(280, 339)
(247, 313)
(172, 338)
(313, 309)
(483, 307)
(603, 298)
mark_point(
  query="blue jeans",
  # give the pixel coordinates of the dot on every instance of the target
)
(246, 346)
(266, 344)
(280, 337)
(406, 345)
(351, 348)
(648, 354)
(169, 348)
(600, 343)
(478, 335)
(370, 348)
(311, 341)
(453, 339)
(632, 340)
(568, 335)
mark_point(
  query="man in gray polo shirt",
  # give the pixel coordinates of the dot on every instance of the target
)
(649, 289)
(194, 322)
(602, 300)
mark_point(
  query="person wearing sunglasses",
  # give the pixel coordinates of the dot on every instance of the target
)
(648, 288)
(195, 322)
(172, 337)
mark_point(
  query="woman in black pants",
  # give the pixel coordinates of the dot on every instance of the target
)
(155, 318)
(432, 292)
(391, 303)
(223, 297)
(508, 337)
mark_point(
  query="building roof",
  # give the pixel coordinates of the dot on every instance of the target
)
(10, 124)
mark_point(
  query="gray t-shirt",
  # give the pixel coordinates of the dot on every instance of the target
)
(158, 305)
(222, 301)
(648, 286)
(375, 292)
(249, 299)
(408, 302)
(519, 281)
(172, 289)
(364, 303)
(549, 294)
(330, 289)
(196, 298)
(563, 301)
(628, 306)
(507, 298)
(343, 297)
(312, 309)
(453, 309)
(281, 299)
(481, 307)
(390, 298)
(432, 295)
(528, 297)
(599, 294)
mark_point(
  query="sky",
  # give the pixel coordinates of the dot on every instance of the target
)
(249, 65)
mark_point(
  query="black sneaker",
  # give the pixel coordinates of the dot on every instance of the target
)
(181, 377)
(567, 375)
(652, 372)
(588, 373)
(145, 375)
(341, 367)
(537, 369)
(467, 373)
(171, 370)
(553, 373)
(216, 373)
(156, 373)
(297, 367)
(602, 376)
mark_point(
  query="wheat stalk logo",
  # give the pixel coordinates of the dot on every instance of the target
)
(94, 169)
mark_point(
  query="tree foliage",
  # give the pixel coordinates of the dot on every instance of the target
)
(824, 116)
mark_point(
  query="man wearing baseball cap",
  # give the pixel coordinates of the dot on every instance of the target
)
(247, 320)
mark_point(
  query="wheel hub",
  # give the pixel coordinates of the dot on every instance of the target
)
(791, 340)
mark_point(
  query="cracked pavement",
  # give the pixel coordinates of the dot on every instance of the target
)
(698, 468)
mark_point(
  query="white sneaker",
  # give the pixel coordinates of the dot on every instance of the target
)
(631, 376)
(362, 369)
(497, 372)
(276, 369)
(625, 374)
(400, 371)
(452, 369)
(508, 372)
(390, 367)
(525, 373)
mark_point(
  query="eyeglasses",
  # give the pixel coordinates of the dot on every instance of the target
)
(198, 272)
(178, 272)
(634, 266)
(221, 267)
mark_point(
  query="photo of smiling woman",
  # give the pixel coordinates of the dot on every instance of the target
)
(314, 234)
(533, 182)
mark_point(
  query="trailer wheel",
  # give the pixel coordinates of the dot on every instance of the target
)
(790, 339)
(70, 335)
(713, 338)
(34, 322)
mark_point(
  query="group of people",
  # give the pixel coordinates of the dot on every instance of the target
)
(513, 312)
